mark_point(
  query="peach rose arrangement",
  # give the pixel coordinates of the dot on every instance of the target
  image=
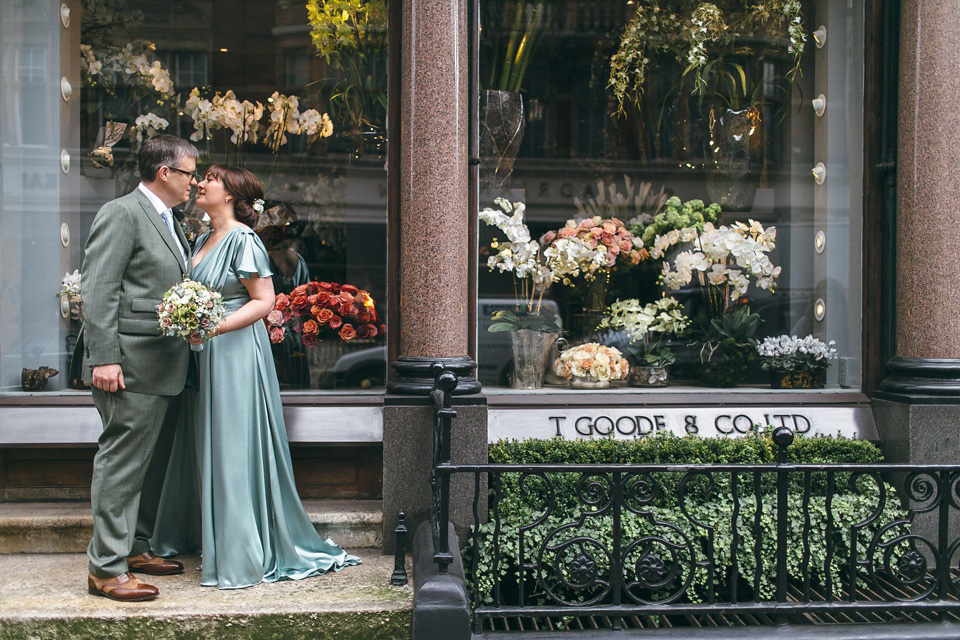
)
(593, 362)
(321, 310)
(611, 242)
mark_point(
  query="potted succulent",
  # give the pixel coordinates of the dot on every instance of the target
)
(796, 363)
(646, 326)
(723, 260)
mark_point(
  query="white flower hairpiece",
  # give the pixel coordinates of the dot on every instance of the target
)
(258, 205)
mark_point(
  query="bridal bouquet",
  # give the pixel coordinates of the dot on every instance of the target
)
(190, 310)
(319, 310)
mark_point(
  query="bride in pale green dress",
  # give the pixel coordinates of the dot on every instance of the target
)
(229, 491)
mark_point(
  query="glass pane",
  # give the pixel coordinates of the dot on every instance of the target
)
(288, 90)
(625, 122)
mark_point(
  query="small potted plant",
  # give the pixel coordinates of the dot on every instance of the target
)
(796, 363)
(646, 326)
(591, 366)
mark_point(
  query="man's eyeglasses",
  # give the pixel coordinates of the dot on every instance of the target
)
(192, 176)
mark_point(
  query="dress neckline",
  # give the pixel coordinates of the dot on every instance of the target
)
(213, 248)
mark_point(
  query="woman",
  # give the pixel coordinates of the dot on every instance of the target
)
(229, 489)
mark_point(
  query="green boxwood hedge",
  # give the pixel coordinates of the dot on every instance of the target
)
(675, 538)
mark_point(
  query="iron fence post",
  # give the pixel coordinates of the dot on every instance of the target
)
(783, 438)
(444, 383)
(399, 577)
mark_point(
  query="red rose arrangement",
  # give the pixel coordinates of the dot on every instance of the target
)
(321, 310)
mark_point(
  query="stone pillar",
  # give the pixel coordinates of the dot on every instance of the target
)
(918, 407)
(432, 241)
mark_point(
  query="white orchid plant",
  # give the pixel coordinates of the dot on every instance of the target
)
(722, 259)
(70, 291)
(646, 326)
(534, 267)
(790, 353)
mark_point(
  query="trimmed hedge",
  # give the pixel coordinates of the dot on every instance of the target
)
(680, 540)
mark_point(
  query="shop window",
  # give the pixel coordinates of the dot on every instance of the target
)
(264, 85)
(648, 120)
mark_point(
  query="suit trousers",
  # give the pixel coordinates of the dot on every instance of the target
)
(128, 473)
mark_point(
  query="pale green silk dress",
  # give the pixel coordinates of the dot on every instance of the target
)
(229, 491)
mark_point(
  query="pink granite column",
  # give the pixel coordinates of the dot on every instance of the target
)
(433, 187)
(928, 193)
(434, 230)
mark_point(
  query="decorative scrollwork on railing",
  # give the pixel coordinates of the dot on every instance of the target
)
(923, 490)
(579, 566)
(662, 569)
(640, 492)
(595, 490)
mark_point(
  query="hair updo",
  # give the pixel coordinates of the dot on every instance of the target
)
(243, 186)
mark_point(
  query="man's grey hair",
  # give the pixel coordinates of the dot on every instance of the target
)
(163, 151)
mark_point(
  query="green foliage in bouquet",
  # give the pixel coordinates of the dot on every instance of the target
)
(677, 215)
(727, 346)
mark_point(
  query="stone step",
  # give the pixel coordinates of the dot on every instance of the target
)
(44, 597)
(65, 527)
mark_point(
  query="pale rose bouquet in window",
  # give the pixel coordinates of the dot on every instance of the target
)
(191, 311)
(592, 362)
(608, 240)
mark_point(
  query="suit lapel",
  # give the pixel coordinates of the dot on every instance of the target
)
(183, 237)
(161, 228)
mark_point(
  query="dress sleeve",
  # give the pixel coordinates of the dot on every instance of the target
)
(250, 257)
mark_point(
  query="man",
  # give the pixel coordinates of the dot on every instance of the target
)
(136, 251)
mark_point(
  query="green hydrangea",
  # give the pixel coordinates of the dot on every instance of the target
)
(677, 215)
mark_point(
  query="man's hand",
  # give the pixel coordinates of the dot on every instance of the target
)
(108, 377)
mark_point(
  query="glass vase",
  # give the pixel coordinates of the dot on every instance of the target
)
(530, 352)
(593, 295)
(644, 376)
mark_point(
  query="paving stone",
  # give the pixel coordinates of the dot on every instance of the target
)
(44, 597)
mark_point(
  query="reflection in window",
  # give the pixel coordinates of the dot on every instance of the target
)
(268, 90)
(615, 124)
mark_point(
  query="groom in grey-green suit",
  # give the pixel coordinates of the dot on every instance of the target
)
(135, 252)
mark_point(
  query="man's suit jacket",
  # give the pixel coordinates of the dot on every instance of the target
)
(130, 261)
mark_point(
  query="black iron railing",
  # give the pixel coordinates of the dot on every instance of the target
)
(781, 540)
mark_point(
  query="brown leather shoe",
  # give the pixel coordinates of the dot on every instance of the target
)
(123, 587)
(154, 565)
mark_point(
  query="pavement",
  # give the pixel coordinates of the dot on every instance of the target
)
(44, 596)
